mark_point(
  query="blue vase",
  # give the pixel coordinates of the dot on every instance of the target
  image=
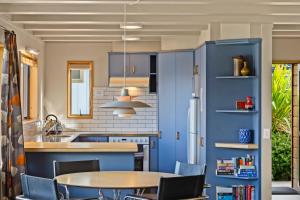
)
(245, 136)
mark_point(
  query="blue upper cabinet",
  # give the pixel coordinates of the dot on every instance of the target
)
(175, 77)
(137, 64)
(116, 64)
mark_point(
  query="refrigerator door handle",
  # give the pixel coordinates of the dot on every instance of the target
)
(177, 135)
(188, 134)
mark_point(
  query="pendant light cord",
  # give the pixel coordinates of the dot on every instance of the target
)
(124, 38)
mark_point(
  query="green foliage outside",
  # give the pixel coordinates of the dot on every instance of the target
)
(281, 122)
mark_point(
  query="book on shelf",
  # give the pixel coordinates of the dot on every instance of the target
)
(237, 166)
(225, 167)
(236, 192)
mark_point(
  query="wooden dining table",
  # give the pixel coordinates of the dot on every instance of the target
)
(115, 180)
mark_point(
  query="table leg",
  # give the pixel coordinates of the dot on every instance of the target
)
(117, 194)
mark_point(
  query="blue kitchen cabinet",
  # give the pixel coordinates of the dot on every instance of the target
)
(166, 109)
(137, 64)
(116, 64)
(175, 78)
(153, 153)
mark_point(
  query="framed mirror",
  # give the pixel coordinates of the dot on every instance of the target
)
(80, 89)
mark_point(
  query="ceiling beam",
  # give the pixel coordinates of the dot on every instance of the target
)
(154, 2)
(114, 2)
(113, 34)
(152, 19)
(286, 27)
(286, 33)
(99, 39)
(104, 28)
(221, 9)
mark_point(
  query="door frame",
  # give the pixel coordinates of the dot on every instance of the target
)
(295, 178)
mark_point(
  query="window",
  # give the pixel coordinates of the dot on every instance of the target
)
(80, 89)
(1, 60)
(29, 86)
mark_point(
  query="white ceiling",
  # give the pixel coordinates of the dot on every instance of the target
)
(99, 20)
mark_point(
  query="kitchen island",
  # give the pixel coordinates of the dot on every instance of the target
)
(41, 152)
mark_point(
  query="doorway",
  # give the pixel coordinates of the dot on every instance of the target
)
(285, 127)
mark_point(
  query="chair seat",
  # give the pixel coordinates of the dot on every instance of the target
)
(95, 198)
(21, 197)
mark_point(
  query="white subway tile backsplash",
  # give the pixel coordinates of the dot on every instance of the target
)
(145, 120)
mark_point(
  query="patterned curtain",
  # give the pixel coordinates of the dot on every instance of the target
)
(12, 143)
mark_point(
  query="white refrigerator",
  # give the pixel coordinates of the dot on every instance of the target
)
(194, 137)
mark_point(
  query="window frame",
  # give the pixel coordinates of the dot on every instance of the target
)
(72, 65)
(33, 113)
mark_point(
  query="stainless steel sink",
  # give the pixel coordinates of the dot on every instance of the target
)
(59, 136)
(91, 138)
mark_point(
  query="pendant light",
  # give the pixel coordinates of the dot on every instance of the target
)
(124, 106)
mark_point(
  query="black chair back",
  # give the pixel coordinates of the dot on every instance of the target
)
(183, 187)
(39, 188)
(68, 167)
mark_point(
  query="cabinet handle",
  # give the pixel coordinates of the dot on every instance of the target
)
(177, 135)
(133, 69)
(202, 141)
(152, 144)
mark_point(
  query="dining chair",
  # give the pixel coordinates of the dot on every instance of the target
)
(38, 188)
(174, 188)
(186, 169)
(68, 167)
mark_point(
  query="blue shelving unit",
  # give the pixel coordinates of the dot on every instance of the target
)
(235, 77)
(236, 177)
(219, 90)
(236, 111)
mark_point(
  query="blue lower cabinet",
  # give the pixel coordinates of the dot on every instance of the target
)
(153, 154)
(41, 164)
(175, 81)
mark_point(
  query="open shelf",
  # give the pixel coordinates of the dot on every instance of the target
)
(236, 177)
(236, 77)
(236, 146)
(236, 111)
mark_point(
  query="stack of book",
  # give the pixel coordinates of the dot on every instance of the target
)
(246, 171)
(243, 192)
(225, 167)
(237, 166)
(236, 192)
(244, 166)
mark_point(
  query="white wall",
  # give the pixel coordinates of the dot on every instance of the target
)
(57, 55)
(179, 42)
(145, 119)
(136, 46)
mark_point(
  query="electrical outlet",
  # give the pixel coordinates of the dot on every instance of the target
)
(267, 133)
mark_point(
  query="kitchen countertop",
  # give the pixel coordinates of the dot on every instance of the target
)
(129, 134)
(63, 143)
(80, 147)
